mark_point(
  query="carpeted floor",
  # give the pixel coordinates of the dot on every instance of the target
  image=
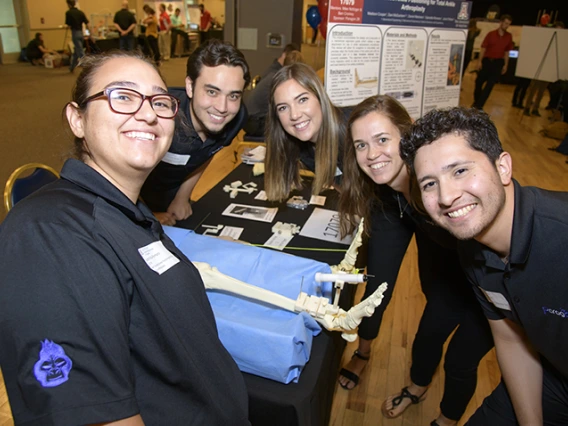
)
(32, 127)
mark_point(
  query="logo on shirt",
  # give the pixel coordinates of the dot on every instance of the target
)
(463, 15)
(559, 312)
(53, 366)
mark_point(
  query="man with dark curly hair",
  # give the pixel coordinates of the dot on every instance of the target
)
(513, 251)
(211, 116)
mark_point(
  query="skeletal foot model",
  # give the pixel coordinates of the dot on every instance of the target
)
(331, 317)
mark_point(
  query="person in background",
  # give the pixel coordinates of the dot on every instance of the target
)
(211, 116)
(257, 99)
(493, 61)
(36, 50)
(125, 23)
(74, 19)
(304, 130)
(151, 33)
(535, 93)
(178, 29)
(520, 91)
(129, 337)
(472, 32)
(512, 247)
(164, 36)
(376, 185)
(206, 22)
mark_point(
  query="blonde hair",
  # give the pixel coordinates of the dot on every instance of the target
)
(283, 150)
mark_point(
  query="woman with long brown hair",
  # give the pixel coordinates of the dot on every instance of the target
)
(303, 127)
(376, 186)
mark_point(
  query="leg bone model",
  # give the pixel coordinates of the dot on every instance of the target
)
(330, 316)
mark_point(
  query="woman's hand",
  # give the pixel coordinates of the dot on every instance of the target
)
(180, 209)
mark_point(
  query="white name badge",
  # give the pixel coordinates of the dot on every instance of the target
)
(176, 159)
(157, 257)
(497, 299)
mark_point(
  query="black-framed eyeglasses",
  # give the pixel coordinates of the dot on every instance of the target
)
(129, 101)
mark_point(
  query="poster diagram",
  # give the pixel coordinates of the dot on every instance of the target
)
(402, 67)
(443, 73)
(412, 50)
(353, 58)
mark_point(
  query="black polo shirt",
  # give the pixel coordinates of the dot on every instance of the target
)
(124, 18)
(89, 333)
(186, 154)
(75, 19)
(531, 288)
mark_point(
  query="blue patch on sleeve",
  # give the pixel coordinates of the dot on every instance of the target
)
(53, 366)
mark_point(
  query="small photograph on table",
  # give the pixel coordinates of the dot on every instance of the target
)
(261, 214)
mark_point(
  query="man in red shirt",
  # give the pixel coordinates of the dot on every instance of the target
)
(205, 18)
(164, 34)
(493, 61)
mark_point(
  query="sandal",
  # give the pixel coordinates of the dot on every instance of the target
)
(398, 399)
(351, 375)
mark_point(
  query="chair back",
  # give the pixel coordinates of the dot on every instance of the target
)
(17, 188)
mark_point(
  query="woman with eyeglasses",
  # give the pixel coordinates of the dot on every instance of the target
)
(102, 319)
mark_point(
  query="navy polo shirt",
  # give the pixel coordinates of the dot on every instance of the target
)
(530, 289)
(90, 332)
(186, 154)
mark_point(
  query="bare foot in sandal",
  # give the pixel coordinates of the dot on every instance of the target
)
(396, 404)
(349, 375)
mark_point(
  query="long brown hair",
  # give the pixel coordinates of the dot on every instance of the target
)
(357, 189)
(283, 151)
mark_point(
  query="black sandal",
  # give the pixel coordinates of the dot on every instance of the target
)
(351, 375)
(404, 393)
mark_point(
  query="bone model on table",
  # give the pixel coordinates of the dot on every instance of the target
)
(331, 316)
(237, 186)
(347, 265)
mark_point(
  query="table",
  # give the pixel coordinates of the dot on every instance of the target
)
(307, 402)
(207, 211)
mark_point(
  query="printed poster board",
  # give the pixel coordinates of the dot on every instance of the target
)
(412, 50)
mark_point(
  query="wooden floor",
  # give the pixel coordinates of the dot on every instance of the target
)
(388, 370)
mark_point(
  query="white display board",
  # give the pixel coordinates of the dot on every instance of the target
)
(411, 50)
(543, 54)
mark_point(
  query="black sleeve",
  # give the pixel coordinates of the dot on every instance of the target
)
(64, 346)
(389, 240)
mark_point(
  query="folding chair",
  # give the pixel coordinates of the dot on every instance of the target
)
(17, 188)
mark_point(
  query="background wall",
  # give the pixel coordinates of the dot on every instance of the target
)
(281, 17)
(216, 8)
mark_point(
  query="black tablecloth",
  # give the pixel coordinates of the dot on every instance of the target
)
(307, 402)
(207, 211)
